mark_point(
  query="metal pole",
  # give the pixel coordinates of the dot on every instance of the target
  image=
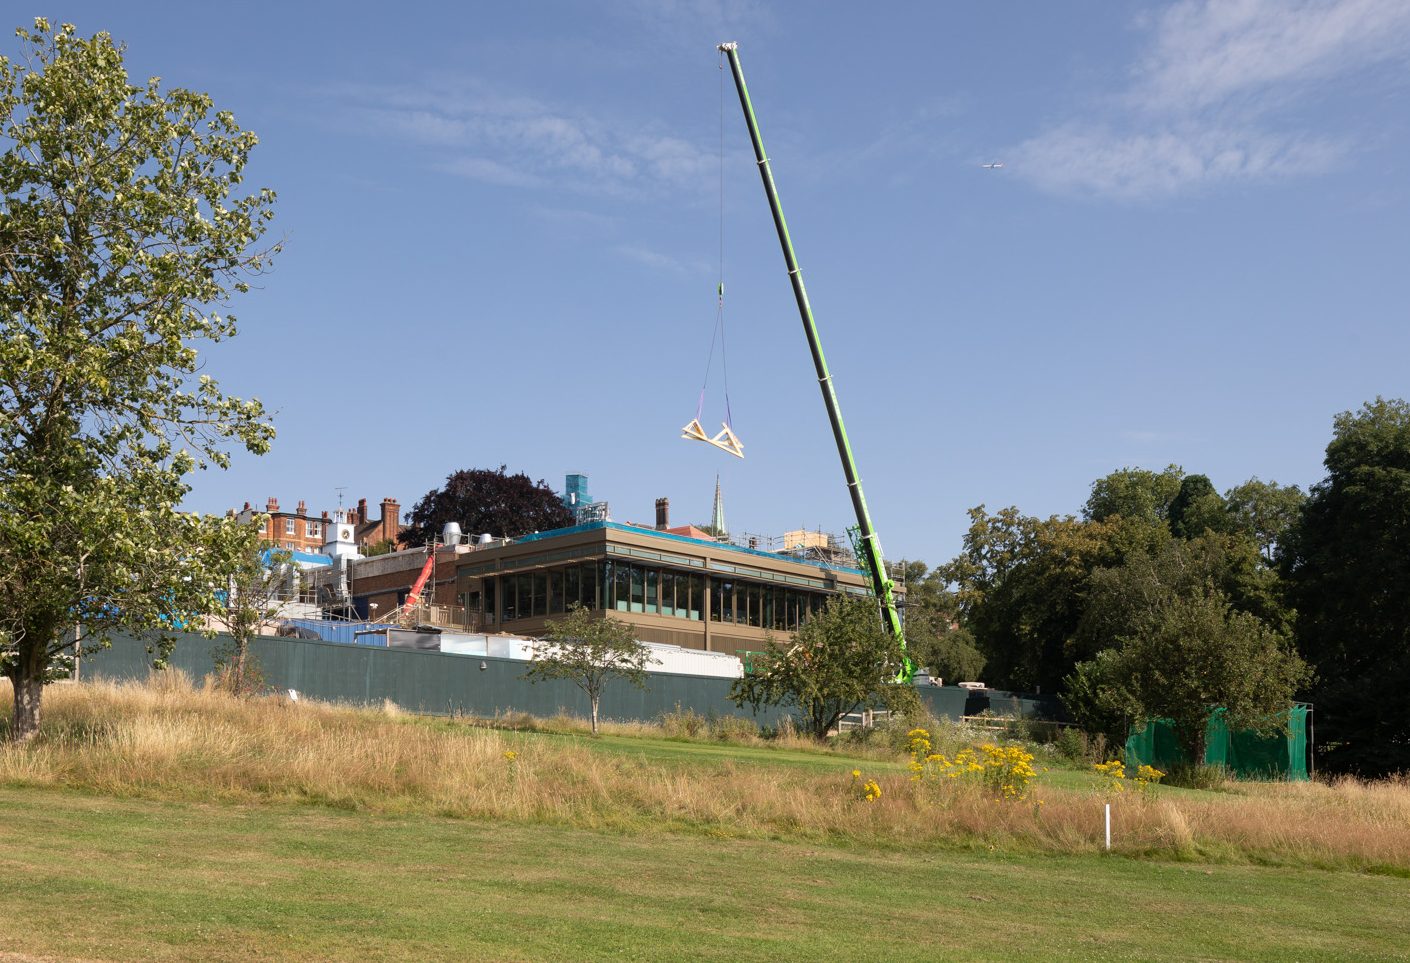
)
(871, 546)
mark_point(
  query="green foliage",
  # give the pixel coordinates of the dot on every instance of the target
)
(590, 649)
(838, 662)
(934, 637)
(1122, 598)
(1190, 653)
(1096, 699)
(1348, 572)
(1266, 511)
(1134, 493)
(121, 236)
(255, 590)
(1022, 586)
(1197, 508)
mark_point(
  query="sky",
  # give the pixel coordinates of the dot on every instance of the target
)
(502, 226)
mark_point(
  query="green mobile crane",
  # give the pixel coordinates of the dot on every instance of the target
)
(867, 543)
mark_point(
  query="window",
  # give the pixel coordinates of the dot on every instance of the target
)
(668, 595)
(653, 592)
(288, 526)
(489, 593)
(621, 586)
(315, 529)
(697, 595)
(572, 586)
(555, 591)
(509, 597)
(540, 589)
(638, 588)
(590, 596)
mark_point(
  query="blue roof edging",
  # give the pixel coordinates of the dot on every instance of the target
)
(618, 526)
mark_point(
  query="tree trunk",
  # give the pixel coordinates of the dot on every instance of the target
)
(237, 669)
(29, 689)
(594, 715)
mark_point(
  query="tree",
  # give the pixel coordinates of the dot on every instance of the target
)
(256, 588)
(1135, 493)
(934, 637)
(1348, 574)
(481, 500)
(1265, 510)
(1022, 582)
(840, 660)
(122, 234)
(1197, 508)
(590, 650)
(1122, 598)
(1193, 654)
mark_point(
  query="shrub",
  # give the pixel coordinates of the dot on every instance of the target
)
(733, 729)
(683, 723)
(1071, 743)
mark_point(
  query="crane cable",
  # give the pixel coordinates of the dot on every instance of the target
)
(719, 333)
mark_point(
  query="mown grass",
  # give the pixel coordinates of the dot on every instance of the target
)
(93, 877)
(172, 741)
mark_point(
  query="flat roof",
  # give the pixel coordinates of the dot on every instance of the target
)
(704, 543)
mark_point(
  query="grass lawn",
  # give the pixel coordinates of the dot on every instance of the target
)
(99, 877)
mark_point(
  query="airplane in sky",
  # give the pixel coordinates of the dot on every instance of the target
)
(992, 167)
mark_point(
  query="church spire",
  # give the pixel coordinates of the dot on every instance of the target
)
(717, 515)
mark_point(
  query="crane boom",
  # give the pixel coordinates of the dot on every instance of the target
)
(870, 545)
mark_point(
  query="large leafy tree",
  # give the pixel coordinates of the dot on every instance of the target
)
(484, 500)
(934, 637)
(839, 661)
(1266, 511)
(1348, 570)
(123, 230)
(1022, 584)
(1197, 508)
(1134, 493)
(1186, 654)
(1172, 633)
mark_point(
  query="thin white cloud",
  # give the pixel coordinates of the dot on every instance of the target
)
(1132, 166)
(1208, 52)
(508, 139)
(1206, 101)
(660, 262)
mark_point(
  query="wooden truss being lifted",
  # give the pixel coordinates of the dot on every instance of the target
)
(726, 440)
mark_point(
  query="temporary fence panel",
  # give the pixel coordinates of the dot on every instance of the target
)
(1243, 753)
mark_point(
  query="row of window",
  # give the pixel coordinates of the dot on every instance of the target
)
(631, 587)
(312, 529)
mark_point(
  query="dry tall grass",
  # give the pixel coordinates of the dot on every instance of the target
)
(169, 739)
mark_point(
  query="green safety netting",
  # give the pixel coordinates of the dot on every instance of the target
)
(1243, 753)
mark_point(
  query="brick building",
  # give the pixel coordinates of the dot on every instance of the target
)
(301, 531)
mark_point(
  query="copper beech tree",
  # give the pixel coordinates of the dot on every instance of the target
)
(124, 231)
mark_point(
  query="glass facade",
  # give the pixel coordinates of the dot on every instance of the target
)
(634, 587)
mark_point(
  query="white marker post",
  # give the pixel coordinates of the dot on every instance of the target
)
(1108, 827)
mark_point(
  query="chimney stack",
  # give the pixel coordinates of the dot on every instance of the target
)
(271, 506)
(362, 511)
(391, 512)
(302, 509)
(663, 514)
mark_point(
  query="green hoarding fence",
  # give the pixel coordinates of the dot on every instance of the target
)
(1243, 753)
(442, 683)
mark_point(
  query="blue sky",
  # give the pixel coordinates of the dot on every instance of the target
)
(501, 227)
